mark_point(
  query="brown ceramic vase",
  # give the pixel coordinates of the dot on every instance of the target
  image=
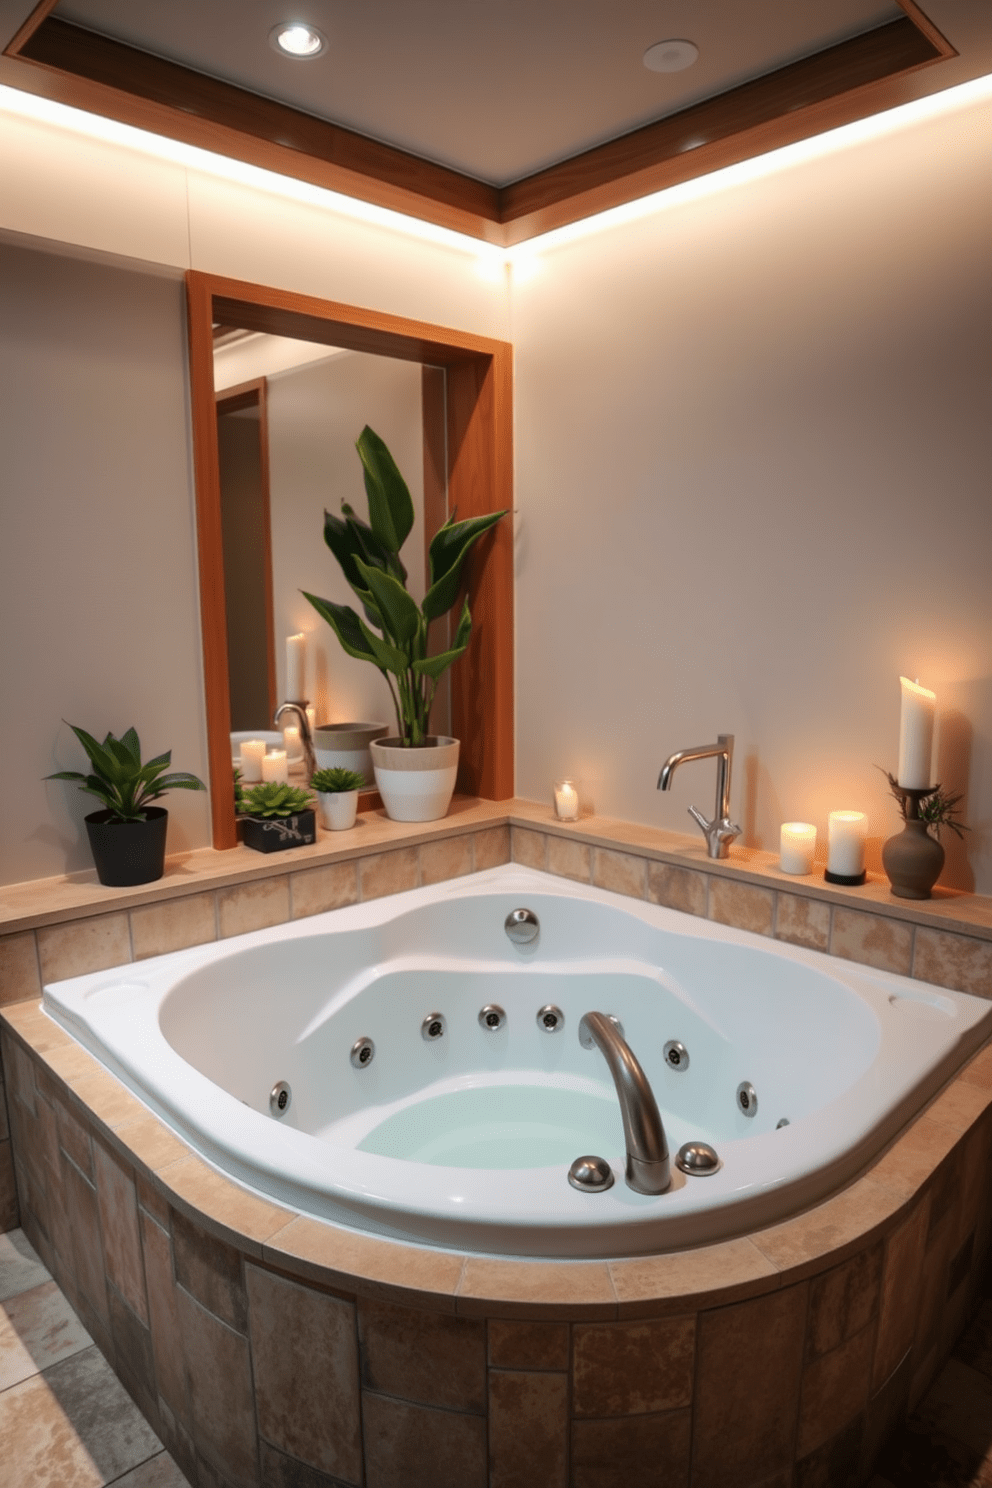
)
(913, 861)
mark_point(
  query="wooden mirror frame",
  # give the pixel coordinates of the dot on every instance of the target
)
(478, 407)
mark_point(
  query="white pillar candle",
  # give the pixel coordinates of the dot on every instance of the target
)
(252, 754)
(291, 740)
(846, 831)
(296, 668)
(797, 843)
(566, 801)
(275, 767)
(915, 735)
(311, 716)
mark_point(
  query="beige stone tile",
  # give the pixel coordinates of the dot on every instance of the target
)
(150, 1141)
(118, 1205)
(173, 924)
(535, 1289)
(745, 906)
(210, 1271)
(570, 859)
(19, 1068)
(746, 1395)
(317, 890)
(37, 1328)
(35, 1027)
(902, 1268)
(957, 961)
(979, 1070)
(163, 1315)
(621, 872)
(20, 976)
(843, 1301)
(79, 946)
(253, 906)
(222, 1206)
(48, 1426)
(629, 1452)
(960, 1106)
(74, 1138)
(219, 1383)
(157, 1472)
(491, 847)
(71, 1062)
(528, 1346)
(450, 857)
(914, 1156)
(630, 1369)
(840, 1226)
(434, 1358)
(802, 921)
(10, 1209)
(21, 1267)
(414, 1446)
(87, 1246)
(133, 1361)
(307, 1394)
(683, 889)
(152, 1199)
(107, 1099)
(834, 1391)
(871, 939)
(388, 873)
(529, 848)
(959, 1407)
(709, 1276)
(528, 1430)
(357, 1262)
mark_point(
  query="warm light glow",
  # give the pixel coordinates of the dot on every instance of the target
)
(297, 40)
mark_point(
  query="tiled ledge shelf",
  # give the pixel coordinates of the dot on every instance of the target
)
(55, 928)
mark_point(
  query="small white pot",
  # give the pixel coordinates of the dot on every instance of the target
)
(416, 785)
(338, 809)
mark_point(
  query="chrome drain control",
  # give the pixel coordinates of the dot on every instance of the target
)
(591, 1175)
(698, 1159)
(521, 925)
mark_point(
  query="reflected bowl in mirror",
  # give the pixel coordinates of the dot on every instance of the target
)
(346, 746)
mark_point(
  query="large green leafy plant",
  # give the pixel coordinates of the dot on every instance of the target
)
(393, 635)
(120, 781)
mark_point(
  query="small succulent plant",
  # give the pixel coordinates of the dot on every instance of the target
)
(273, 799)
(334, 782)
(120, 782)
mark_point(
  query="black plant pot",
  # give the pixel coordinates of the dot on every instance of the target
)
(275, 834)
(128, 853)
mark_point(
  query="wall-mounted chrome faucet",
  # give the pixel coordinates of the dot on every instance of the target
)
(306, 737)
(648, 1167)
(721, 831)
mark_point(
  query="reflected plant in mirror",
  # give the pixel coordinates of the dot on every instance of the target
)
(393, 634)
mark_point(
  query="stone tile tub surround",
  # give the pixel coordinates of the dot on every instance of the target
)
(785, 1357)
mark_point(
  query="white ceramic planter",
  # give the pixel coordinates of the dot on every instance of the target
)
(338, 809)
(416, 785)
(345, 746)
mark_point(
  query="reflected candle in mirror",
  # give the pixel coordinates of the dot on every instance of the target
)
(797, 843)
(291, 740)
(311, 717)
(915, 735)
(252, 754)
(275, 766)
(846, 832)
(296, 669)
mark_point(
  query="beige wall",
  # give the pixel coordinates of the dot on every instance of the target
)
(755, 485)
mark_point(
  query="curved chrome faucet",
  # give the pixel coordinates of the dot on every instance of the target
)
(306, 737)
(648, 1170)
(721, 831)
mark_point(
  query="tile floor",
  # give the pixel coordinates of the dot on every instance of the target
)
(66, 1421)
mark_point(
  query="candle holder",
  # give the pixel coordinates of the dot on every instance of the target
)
(566, 799)
(912, 859)
(846, 841)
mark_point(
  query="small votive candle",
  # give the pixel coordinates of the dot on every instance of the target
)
(275, 766)
(252, 754)
(291, 740)
(846, 832)
(566, 801)
(797, 843)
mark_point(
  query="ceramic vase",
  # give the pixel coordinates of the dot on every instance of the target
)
(913, 861)
(416, 785)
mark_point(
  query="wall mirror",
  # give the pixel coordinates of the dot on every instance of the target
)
(281, 386)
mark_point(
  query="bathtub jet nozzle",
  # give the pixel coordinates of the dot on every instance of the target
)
(648, 1167)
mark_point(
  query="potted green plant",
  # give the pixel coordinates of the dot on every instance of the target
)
(415, 770)
(337, 796)
(276, 816)
(127, 837)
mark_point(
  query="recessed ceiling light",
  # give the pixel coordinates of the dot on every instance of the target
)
(297, 40)
(670, 56)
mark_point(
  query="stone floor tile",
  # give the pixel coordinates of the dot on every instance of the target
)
(21, 1266)
(974, 1347)
(37, 1328)
(959, 1406)
(157, 1472)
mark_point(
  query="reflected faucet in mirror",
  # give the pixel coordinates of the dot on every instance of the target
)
(306, 735)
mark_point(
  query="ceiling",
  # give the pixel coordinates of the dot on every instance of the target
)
(498, 119)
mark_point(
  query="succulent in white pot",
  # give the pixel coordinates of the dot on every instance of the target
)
(415, 770)
(337, 797)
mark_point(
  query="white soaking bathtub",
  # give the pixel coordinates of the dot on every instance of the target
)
(465, 1140)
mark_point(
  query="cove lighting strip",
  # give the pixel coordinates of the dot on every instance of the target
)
(491, 257)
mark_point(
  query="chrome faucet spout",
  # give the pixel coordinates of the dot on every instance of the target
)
(306, 737)
(721, 831)
(648, 1169)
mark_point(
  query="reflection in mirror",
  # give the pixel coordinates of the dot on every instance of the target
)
(288, 415)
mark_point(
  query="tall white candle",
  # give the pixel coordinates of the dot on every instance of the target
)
(846, 833)
(915, 735)
(275, 766)
(291, 740)
(296, 668)
(252, 754)
(311, 716)
(797, 843)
